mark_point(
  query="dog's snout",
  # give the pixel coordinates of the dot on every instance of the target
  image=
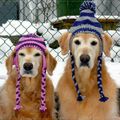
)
(84, 59)
(28, 66)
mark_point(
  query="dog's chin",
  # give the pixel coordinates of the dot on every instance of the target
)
(28, 74)
(84, 70)
(82, 65)
(85, 67)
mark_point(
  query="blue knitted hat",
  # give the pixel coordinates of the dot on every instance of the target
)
(87, 23)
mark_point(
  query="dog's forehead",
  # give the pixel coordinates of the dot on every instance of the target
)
(85, 36)
(30, 50)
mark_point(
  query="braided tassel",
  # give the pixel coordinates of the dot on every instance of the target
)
(79, 97)
(17, 107)
(103, 98)
(43, 86)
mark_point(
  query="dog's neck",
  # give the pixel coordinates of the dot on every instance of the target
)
(86, 78)
(31, 84)
(27, 84)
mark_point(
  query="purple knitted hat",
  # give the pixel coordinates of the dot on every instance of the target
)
(34, 41)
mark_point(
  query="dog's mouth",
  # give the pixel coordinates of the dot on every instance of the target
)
(84, 65)
(28, 72)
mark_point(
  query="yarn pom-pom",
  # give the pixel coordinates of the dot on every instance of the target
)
(88, 5)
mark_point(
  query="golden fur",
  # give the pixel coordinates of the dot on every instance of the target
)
(30, 92)
(90, 108)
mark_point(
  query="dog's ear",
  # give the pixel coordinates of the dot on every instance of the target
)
(107, 43)
(9, 62)
(51, 62)
(64, 42)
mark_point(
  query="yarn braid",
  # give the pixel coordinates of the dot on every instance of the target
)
(79, 97)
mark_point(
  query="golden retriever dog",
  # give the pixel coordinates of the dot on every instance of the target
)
(30, 89)
(90, 108)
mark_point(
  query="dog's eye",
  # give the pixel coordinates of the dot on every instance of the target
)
(37, 54)
(77, 42)
(93, 43)
(22, 54)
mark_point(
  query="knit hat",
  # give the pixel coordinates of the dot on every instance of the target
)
(87, 23)
(33, 41)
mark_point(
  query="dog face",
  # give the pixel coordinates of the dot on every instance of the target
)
(85, 48)
(30, 62)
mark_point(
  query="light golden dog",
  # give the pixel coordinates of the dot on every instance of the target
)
(90, 108)
(30, 88)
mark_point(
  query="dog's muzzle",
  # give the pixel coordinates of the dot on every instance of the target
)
(28, 68)
(84, 60)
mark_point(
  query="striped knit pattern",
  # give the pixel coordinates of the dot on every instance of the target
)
(33, 41)
(87, 23)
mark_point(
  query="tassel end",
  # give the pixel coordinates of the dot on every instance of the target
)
(43, 108)
(17, 107)
(103, 99)
(80, 98)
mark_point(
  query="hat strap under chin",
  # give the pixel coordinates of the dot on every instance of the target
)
(43, 85)
(17, 107)
(103, 98)
(79, 97)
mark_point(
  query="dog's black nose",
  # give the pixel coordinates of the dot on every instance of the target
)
(84, 59)
(28, 66)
